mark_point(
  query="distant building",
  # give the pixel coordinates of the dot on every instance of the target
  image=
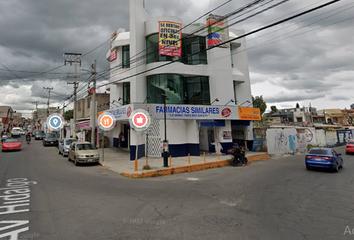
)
(40, 116)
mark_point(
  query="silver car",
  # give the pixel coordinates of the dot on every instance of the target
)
(64, 145)
(83, 152)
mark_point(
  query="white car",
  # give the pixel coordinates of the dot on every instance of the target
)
(64, 145)
(16, 132)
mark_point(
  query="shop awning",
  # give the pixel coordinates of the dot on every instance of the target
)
(211, 123)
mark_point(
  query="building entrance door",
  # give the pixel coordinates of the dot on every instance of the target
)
(211, 139)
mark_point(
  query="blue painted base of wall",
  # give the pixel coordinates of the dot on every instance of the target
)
(141, 151)
(115, 142)
(182, 150)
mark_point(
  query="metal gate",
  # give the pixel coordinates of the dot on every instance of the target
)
(153, 139)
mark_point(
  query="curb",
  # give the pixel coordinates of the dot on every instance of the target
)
(190, 168)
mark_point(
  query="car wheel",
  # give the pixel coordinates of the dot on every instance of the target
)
(308, 168)
(75, 162)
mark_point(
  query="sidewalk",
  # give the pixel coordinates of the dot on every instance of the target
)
(118, 160)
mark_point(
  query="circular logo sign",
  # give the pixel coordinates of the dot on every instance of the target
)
(129, 111)
(106, 121)
(139, 120)
(55, 121)
(226, 112)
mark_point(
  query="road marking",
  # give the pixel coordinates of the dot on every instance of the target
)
(192, 179)
(15, 197)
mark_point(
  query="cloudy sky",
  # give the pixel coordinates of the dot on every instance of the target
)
(308, 60)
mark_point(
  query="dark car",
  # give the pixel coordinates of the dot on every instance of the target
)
(50, 139)
(324, 158)
(39, 135)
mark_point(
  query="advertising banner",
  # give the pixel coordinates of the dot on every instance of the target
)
(170, 35)
(246, 113)
(113, 53)
(226, 135)
(218, 31)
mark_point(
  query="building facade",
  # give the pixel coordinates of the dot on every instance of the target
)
(205, 88)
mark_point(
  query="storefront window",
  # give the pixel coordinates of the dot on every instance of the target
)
(126, 93)
(125, 57)
(179, 89)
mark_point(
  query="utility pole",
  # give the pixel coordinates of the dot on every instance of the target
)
(93, 125)
(70, 56)
(49, 89)
(35, 119)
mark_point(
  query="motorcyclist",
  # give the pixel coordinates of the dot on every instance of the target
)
(28, 137)
(3, 137)
(238, 154)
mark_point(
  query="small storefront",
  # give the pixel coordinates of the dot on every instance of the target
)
(190, 129)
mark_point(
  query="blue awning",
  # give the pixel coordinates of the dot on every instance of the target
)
(240, 122)
(211, 123)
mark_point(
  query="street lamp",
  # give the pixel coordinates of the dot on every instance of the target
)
(229, 101)
(165, 142)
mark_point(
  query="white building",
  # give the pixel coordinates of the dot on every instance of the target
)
(192, 83)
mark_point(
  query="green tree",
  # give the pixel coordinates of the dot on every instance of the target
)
(273, 109)
(69, 114)
(258, 102)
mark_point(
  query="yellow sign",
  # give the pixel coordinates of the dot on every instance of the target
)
(170, 35)
(246, 113)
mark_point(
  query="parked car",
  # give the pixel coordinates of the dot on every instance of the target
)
(39, 135)
(64, 145)
(23, 131)
(50, 139)
(349, 148)
(83, 152)
(16, 132)
(11, 144)
(324, 158)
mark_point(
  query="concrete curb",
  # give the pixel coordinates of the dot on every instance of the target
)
(190, 168)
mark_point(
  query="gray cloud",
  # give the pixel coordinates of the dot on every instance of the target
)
(315, 64)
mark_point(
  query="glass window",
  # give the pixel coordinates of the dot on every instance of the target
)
(88, 102)
(126, 57)
(197, 89)
(235, 91)
(194, 51)
(170, 84)
(179, 89)
(126, 93)
(152, 51)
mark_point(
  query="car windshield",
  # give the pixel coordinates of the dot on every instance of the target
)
(70, 141)
(10, 140)
(39, 132)
(85, 146)
(320, 151)
(51, 135)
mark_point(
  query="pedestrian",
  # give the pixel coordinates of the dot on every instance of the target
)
(218, 146)
(121, 140)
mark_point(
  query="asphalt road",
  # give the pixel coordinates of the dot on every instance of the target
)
(274, 199)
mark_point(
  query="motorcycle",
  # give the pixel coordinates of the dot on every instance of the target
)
(236, 159)
(28, 139)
